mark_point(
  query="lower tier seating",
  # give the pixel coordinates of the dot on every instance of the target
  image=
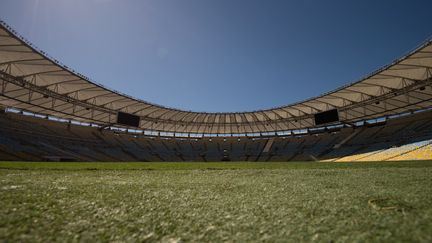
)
(35, 139)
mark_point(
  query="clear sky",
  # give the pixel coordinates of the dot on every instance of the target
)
(222, 55)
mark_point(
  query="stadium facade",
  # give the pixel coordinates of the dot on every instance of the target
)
(51, 112)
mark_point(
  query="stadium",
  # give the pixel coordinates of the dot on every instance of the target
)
(68, 141)
(74, 119)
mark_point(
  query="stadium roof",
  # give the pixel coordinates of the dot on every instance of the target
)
(32, 81)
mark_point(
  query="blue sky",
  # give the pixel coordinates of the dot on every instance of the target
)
(222, 55)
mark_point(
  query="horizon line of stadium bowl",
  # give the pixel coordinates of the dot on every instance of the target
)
(162, 134)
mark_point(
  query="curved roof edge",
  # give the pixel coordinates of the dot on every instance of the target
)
(401, 78)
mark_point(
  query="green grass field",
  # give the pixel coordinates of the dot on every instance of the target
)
(208, 202)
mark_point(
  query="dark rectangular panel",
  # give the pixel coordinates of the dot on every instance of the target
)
(128, 119)
(326, 117)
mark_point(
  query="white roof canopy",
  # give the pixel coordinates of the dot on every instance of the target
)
(30, 80)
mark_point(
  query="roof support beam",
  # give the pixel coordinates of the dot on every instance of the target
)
(22, 60)
(40, 73)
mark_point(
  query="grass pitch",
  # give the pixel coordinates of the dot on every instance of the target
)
(208, 202)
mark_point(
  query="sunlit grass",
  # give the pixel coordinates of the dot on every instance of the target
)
(208, 202)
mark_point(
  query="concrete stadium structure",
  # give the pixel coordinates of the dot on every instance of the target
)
(51, 112)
